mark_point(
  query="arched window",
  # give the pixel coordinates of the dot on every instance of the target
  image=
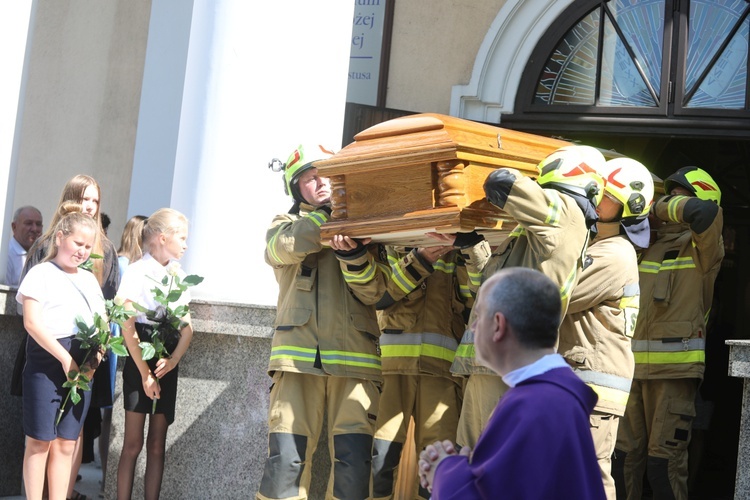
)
(642, 61)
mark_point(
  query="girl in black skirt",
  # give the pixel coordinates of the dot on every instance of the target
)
(53, 293)
(164, 242)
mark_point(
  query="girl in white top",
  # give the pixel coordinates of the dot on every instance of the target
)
(53, 293)
(164, 241)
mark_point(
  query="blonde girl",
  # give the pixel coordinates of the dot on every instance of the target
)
(52, 294)
(164, 242)
(85, 191)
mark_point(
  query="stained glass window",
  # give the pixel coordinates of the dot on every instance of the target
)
(569, 77)
(631, 55)
(717, 29)
(613, 56)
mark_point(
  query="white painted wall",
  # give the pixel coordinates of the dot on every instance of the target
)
(259, 78)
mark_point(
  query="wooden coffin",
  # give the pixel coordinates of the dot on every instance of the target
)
(425, 173)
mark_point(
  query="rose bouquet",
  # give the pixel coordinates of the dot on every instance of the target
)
(96, 339)
(167, 321)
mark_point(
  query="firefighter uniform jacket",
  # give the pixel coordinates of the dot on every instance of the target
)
(677, 275)
(422, 328)
(325, 321)
(596, 332)
(551, 236)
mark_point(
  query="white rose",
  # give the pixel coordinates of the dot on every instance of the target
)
(119, 301)
(173, 268)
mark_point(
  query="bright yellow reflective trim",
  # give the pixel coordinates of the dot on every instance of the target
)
(349, 353)
(679, 263)
(465, 351)
(350, 359)
(655, 267)
(272, 250)
(475, 278)
(568, 286)
(292, 357)
(349, 362)
(633, 302)
(649, 267)
(391, 351)
(317, 218)
(361, 277)
(672, 208)
(415, 351)
(443, 266)
(553, 214)
(401, 280)
(668, 358)
(609, 394)
(438, 352)
(517, 231)
(293, 348)
(293, 353)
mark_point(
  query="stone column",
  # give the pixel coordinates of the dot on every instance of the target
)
(14, 30)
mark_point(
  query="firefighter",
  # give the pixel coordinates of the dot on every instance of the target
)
(596, 331)
(556, 216)
(422, 317)
(677, 275)
(324, 355)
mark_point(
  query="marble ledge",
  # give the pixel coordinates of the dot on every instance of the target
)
(213, 317)
(739, 358)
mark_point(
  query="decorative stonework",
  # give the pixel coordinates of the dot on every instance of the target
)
(502, 57)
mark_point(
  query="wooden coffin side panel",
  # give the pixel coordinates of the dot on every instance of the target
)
(381, 193)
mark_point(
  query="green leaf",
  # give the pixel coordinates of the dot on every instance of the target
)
(192, 280)
(75, 398)
(80, 323)
(165, 280)
(148, 350)
(181, 311)
(120, 350)
(69, 383)
(174, 296)
(142, 309)
(95, 256)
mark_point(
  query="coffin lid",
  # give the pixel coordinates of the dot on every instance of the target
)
(431, 137)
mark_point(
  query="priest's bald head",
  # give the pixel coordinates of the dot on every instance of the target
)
(517, 316)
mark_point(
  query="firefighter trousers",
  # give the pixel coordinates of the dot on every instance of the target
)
(433, 401)
(604, 432)
(481, 395)
(295, 419)
(653, 438)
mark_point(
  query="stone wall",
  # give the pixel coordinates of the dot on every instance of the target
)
(218, 443)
